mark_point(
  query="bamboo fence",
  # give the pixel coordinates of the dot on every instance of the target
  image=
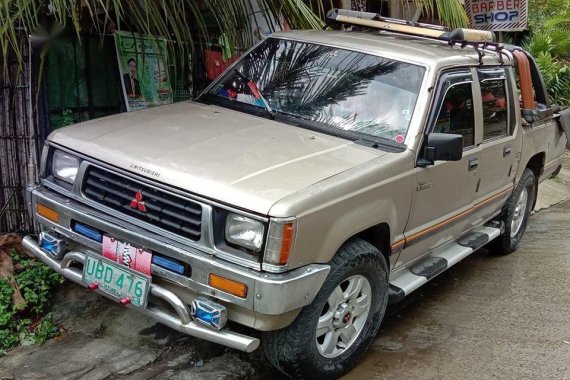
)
(15, 145)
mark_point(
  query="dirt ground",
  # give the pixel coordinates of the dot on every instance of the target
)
(487, 317)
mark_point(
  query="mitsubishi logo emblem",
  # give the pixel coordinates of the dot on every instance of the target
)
(138, 202)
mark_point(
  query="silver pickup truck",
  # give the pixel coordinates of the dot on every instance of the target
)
(323, 176)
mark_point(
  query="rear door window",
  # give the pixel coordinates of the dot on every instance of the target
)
(495, 103)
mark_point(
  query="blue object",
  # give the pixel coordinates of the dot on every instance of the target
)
(50, 246)
(169, 264)
(52, 243)
(223, 92)
(209, 313)
(210, 317)
(88, 232)
(259, 103)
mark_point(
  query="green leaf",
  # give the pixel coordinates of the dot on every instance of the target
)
(181, 22)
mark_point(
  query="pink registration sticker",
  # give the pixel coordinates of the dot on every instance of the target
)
(125, 254)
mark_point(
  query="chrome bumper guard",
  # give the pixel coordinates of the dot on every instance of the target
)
(268, 293)
(182, 322)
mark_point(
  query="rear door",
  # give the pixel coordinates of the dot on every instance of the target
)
(501, 140)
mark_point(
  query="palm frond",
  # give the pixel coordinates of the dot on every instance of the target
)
(451, 12)
(180, 21)
(556, 75)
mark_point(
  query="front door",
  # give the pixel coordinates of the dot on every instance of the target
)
(445, 191)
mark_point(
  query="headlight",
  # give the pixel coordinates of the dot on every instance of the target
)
(244, 232)
(64, 166)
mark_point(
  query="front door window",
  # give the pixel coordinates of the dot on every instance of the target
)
(456, 113)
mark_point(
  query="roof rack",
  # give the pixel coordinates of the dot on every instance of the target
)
(376, 21)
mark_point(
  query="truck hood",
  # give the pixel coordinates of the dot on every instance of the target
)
(233, 157)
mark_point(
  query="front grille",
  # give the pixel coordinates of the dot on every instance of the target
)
(169, 212)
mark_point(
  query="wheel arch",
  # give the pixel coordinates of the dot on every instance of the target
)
(536, 165)
(379, 236)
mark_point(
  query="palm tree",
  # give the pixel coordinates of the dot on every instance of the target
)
(451, 12)
(182, 21)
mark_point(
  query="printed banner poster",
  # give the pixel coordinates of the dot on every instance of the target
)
(144, 70)
(497, 15)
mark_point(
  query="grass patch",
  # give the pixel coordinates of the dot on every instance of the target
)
(30, 322)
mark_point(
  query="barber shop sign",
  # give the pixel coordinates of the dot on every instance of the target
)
(497, 15)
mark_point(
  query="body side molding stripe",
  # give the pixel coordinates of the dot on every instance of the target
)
(424, 234)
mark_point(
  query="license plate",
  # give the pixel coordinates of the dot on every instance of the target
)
(115, 280)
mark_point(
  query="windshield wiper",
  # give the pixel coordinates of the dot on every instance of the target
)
(360, 138)
(254, 88)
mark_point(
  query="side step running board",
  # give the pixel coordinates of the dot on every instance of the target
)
(408, 279)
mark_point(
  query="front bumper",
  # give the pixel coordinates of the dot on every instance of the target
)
(272, 301)
(182, 322)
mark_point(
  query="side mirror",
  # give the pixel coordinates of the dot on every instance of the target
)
(443, 147)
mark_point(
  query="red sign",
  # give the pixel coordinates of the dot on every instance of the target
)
(127, 255)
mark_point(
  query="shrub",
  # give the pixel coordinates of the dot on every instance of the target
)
(549, 43)
(29, 324)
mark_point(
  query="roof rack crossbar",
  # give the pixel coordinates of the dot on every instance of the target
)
(374, 20)
(377, 17)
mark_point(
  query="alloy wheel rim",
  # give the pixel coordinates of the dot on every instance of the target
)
(343, 316)
(519, 212)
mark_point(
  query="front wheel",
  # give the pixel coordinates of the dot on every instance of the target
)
(515, 215)
(330, 335)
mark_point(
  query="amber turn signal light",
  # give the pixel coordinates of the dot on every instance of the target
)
(228, 286)
(287, 243)
(47, 213)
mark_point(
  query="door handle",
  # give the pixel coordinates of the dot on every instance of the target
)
(473, 163)
(507, 150)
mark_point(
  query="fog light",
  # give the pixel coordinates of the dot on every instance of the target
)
(209, 313)
(52, 243)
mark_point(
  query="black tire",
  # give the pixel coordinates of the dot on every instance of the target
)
(293, 350)
(507, 242)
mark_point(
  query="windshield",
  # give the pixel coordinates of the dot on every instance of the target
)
(340, 89)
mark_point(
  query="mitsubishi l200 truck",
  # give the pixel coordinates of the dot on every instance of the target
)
(323, 176)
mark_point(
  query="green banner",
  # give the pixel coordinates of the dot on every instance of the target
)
(143, 64)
